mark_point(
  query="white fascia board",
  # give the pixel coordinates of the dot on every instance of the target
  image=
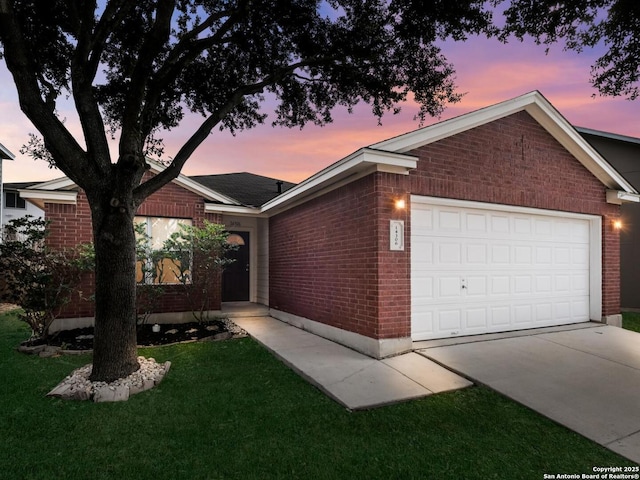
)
(65, 183)
(438, 131)
(40, 197)
(232, 209)
(365, 159)
(541, 110)
(62, 183)
(5, 154)
(552, 121)
(617, 197)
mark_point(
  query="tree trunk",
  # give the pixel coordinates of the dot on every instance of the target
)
(115, 342)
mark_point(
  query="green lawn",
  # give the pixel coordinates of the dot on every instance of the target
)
(631, 321)
(231, 410)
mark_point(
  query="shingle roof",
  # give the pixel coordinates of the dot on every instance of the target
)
(18, 185)
(247, 188)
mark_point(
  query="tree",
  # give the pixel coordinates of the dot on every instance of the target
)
(612, 24)
(134, 69)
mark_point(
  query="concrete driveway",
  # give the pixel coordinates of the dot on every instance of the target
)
(587, 379)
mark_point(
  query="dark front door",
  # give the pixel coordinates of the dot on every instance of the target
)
(235, 278)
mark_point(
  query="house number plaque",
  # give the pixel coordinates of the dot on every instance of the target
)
(396, 234)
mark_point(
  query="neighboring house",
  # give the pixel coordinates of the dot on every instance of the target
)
(4, 155)
(14, 206)
(500, 219)
(623, 153)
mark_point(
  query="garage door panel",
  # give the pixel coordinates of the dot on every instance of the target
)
(543, 228)
(477, 319)
(544, 313)
(449, 253)
(522, 226)
(448, 220)
(477, 271)
(448, 287)
(476, 253)
(501, 254)
(449, 320)
(422, 287)
(544, 255)
(477, 286)
(522, 284)
(544, 283)
(422, 252)
(476, 222)
(522, 314)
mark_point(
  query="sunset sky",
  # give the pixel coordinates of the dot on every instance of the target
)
(487, 72)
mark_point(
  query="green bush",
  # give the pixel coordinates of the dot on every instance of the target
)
(36, 277)
(206, 247)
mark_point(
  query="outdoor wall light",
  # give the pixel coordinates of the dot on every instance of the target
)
(617, 224)
(400, 204)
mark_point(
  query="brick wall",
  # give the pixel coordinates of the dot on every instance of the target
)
(71, 225)
(330, 259)
(514, 161)
(323, 259)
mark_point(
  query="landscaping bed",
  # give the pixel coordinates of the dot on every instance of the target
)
(81, 339)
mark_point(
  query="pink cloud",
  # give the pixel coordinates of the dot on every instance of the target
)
(487, 71)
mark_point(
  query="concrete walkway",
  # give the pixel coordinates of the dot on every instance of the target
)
(351, 378)
(587, 379)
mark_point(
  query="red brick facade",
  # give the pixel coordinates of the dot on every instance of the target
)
(325, 262)
(330, 259)
(71, 225)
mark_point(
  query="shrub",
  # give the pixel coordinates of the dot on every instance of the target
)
(39, 279)
(205, 247)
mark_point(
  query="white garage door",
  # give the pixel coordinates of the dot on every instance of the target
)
(481, 270)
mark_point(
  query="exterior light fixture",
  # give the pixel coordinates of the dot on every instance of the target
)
(400, 204)
(617, 224)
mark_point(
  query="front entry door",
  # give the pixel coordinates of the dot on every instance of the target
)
(235, 278)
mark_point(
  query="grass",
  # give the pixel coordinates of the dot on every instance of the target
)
(230, 410)
(631, 321)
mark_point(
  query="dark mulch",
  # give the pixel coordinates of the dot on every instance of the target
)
(82, 338)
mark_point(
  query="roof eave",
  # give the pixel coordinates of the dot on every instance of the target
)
(5, 153)
(360, 163)
(536, 105)
(65, 183)
(233, 210)
(40, 197)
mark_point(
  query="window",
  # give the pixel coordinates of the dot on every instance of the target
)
(159, 229)
(13, 200)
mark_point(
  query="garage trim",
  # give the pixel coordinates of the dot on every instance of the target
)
(595, 238)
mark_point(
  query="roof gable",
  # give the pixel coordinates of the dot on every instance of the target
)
(541, 110)
(65, 183)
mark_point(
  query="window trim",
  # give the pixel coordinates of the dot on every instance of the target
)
(17, 200)
(148, 221)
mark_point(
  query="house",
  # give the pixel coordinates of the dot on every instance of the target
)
(4, 155)
(502, 219)
(623, 153)
(14, 206)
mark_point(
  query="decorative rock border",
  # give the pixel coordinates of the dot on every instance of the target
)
(77, 386)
